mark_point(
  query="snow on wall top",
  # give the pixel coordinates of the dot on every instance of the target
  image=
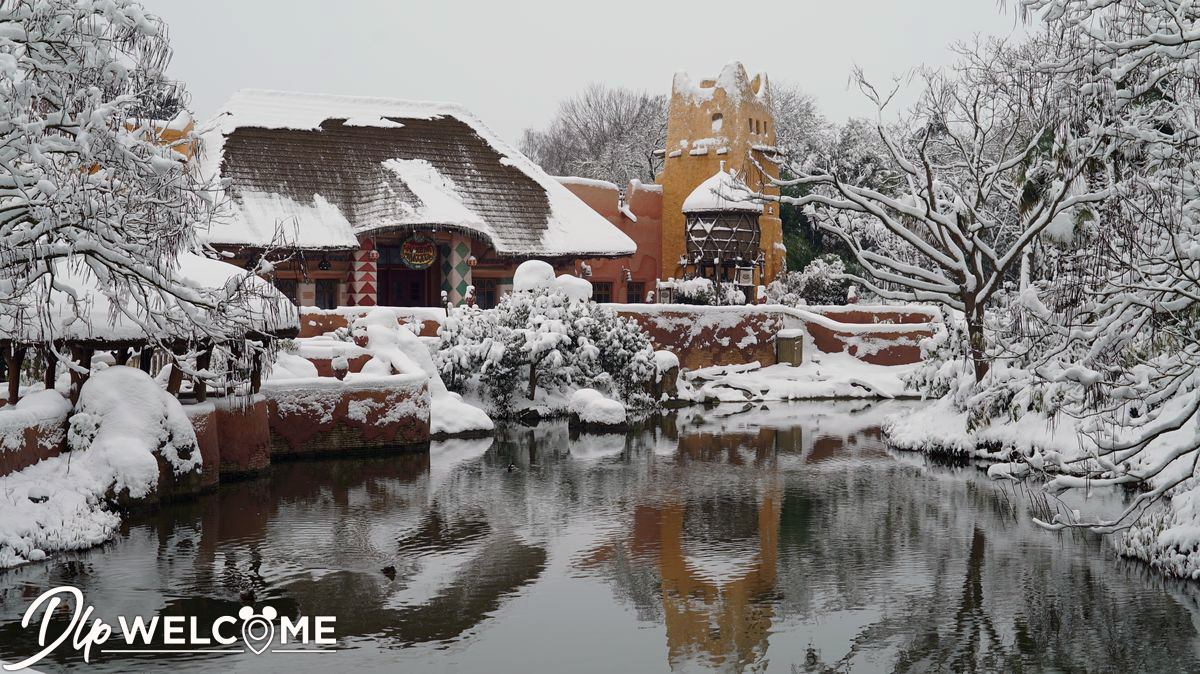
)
(323, 170)
(587, 182)
(721, 192)
(733, 80)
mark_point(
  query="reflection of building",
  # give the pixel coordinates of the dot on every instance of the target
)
(376, 201)
(715, 552)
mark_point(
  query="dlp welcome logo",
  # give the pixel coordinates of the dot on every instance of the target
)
(138, 635)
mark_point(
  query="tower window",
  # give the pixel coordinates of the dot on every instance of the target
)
(751, 123)
(717, 121)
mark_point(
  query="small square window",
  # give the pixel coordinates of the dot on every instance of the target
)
(635, 292)
(485, 293)
(327, 293)
(602, 291)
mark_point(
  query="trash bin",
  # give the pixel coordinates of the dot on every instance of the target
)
(789, 346)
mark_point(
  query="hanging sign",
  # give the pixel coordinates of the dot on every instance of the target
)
(418, 252)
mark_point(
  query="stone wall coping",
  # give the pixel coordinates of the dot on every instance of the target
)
(352, 382)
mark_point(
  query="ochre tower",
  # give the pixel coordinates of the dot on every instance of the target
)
(727, 119)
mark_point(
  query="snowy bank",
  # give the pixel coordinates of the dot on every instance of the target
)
(823, 375)
(939, 428)
(593, 409)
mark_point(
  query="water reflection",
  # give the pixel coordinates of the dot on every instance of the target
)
(781, 538)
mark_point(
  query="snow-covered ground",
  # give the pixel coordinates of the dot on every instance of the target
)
(822, 375)
(938, 428)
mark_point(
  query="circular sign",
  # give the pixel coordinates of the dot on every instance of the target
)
(418, 252)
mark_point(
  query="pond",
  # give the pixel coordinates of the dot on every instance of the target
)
(785, 538)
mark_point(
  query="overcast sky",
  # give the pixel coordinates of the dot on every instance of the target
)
(510, 62)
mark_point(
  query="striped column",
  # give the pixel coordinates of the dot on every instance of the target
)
(362, 276)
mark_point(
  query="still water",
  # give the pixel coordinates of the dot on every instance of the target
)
(783, 539)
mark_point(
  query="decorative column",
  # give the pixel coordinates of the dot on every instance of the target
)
(457, 271)
(363, 276)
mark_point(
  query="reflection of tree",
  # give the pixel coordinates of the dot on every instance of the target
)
(500, 567)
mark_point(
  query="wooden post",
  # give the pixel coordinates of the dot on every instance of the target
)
(82, 355)
(51, 373)
(14, 355)
(256, 373)
(121, 355)
(175, 379)
(144, 359)
(199, 386)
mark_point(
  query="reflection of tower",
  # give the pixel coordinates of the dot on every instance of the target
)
(723, 120)
(714, 550)
(726, 620)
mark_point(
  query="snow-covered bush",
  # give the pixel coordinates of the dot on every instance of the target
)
(821, 282)
(703, 291)
(541, 343)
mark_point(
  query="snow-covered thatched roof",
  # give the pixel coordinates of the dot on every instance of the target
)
(721, 192)
(78, 309)
(327, 169)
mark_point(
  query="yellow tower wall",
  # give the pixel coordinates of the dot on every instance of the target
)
(696, 146)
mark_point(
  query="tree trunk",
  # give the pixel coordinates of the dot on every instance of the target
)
(256, 373)
(145, 357)
(976, 340)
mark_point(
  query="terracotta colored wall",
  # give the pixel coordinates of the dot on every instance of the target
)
(244, 436)
(645, 203)
(689, 120)
(316, 322)
(333, 418)
(734, 335)
(704, 339)
(38, 441)
(204, 422)
(859, 313)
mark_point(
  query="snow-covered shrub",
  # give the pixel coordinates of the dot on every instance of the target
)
(821, 282)
(704, 292)
(541, 343)
(1009, 391)
(122, 420)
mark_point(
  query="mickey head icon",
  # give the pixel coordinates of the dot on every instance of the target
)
(258, 629)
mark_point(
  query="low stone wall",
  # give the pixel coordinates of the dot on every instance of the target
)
(707, 336)
(731, 335)
(316, 322)
(28, 436)
(877, 314)
(204, 421)
(244, 435)
(327, 416)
